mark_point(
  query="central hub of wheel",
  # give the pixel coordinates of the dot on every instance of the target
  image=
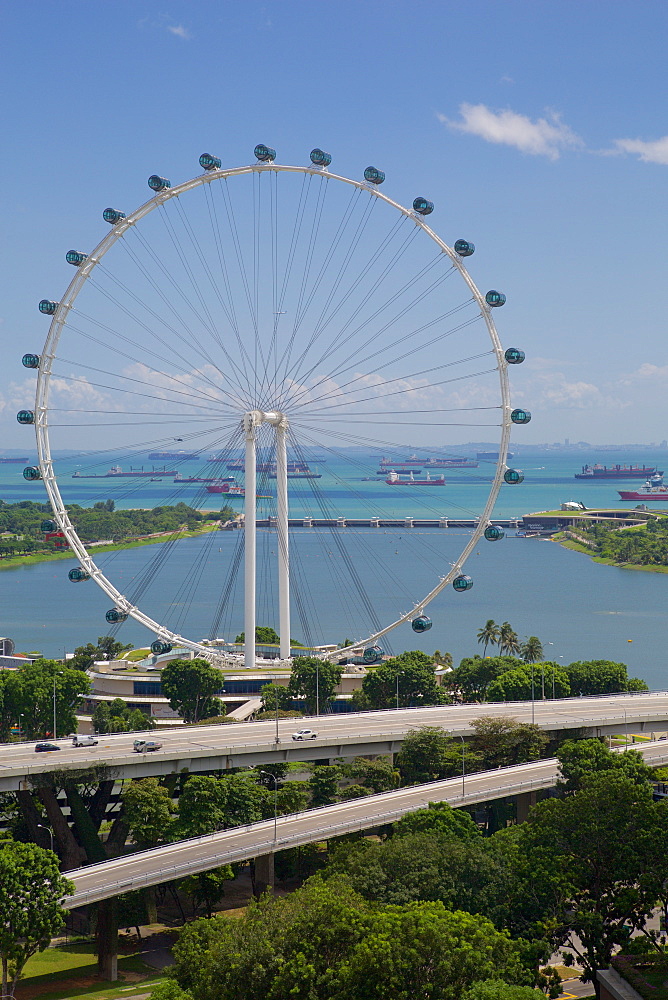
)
(254, 418)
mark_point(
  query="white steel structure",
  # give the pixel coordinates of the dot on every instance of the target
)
(201, 351)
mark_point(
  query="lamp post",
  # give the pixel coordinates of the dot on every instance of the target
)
(273, 777)
(317, 689)
(397, 689)
(533, 698)
(40, 826)
(463, 767)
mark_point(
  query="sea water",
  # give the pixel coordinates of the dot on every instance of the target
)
(345, 578)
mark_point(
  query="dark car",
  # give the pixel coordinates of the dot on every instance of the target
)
(44, 747)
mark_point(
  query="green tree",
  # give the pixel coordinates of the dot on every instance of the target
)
(496, 989)
(376, 775)
(148, 811)
(202, 805)
(116, 717)
(324, 783)
(314, 680)
(580, 759)
(438, 817)
(169, 990)
(508, 640)
(471, 679)
(600, 677)
(608, 843)
(191, 686)
(428, 754)
(526, 680)
(532, 649)
(407, 679)
(502, 742)
(207, 888)
(28, 692)
(107, 648)
(489, 634)
(31, 890)
(264, 636)
(273, 694)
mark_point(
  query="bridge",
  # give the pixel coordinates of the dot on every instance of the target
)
(188, 857)
(221, 747)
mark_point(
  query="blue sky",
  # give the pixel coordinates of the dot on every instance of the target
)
(539, 130)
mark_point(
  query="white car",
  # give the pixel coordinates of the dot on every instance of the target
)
(305, 734)
(84, 741)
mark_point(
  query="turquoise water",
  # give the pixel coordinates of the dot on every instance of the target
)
(344, 579)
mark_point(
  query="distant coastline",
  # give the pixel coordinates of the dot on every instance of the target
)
(568, 543)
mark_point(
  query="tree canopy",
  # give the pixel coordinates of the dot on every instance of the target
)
(314, 680)
(31, 888)
(407, 679)
(191, 686)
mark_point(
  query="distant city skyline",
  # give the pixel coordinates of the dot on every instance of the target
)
(538, 130)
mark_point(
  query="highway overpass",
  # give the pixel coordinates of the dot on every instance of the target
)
(220, 747)
(188, 857)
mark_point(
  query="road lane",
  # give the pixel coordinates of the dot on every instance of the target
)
(188, 857)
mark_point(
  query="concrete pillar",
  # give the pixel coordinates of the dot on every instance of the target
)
(264, 875)
(106, 939)
(524, 803)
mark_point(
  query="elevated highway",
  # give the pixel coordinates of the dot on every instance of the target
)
(188, 857)
(220, 747)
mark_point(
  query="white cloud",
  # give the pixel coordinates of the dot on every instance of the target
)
(542, 137)
(646, 373)
(180, 31)
(655, 151)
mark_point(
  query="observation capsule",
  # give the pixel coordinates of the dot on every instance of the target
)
(421, 624)
(209, 162)
(75, 257)
(513, 476)
(30, 360)
(48, 526)
(374, 176)
(159, 647)
(372, 654)
(115, 616)
(157, 183)
(493, 533)
(265, 154)
(495, 299)
(78, 575)
(462, 583)
(112, 215)
(520, 416)
(32, 473)
(48, 307)
(514, 356)
(464, 248)
(320, 158)
(26, 416)
(422, 206)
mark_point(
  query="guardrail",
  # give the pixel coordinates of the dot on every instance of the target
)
(251, 840)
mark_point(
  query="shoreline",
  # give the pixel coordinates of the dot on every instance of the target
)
(18, 562)
(568, 543)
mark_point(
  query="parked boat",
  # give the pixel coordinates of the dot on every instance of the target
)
(394, 480)
(653, 489)
(598, 471)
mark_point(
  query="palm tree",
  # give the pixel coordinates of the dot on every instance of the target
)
(489, 633)
(532, 650)
(508, 641)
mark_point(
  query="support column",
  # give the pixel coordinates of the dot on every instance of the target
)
(524, 803)
(106, 939)
(283, 543)
(264, 875)
(251, 421)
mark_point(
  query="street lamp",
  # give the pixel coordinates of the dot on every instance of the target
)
(397, 689)
(273, 777)
(40, 826)
(56, 673)
(463, 767)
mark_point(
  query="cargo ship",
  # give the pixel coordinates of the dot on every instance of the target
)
(23, 461)
(394, 480)
(173, 456)
(233, 491)
(450, 463)
(298, 472)
(618, 472)
(412, 461)
(490, 456)
(178, 478)
(652, 490)
(116, 472)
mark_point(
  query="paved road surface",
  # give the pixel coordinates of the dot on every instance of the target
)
(188, 857)
(203, 748)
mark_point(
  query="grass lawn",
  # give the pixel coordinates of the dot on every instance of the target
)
(71, 971)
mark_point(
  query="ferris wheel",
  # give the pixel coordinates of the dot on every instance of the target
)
(263, 318)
